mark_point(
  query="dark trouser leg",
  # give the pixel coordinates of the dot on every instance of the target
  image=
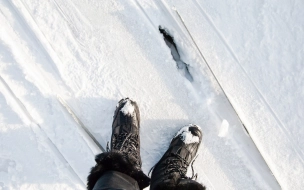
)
(113, 180)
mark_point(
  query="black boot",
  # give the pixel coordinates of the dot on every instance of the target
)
(125, 130)
(170, 172)
(124, 155)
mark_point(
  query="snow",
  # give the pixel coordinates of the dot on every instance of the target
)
(186, 135)
(224, 128)
(128, 108)
(91, 54)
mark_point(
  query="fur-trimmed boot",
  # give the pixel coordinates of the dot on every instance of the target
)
(124, 155)
(170, 172)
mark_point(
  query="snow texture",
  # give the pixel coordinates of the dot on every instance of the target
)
(224, 128)
(93, 53)
(128, 108)
(186, 135)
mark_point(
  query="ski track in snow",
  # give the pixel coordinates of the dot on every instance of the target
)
(92, 54)
(37, 103)
(269, 177)
(15, 102)
(273, 148)
(282, 126)
(16, 166)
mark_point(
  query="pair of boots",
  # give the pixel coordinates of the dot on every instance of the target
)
(123, 159)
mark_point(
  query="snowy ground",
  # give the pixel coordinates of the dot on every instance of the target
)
(91, 54)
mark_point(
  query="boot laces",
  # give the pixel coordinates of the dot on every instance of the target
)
(126, 143)
(172, 165)
(176, 164)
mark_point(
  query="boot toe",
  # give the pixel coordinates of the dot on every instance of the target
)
(190, 134)
(196, 131)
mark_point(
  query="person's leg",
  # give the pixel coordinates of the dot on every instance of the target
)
(170, 172)
(124, 155)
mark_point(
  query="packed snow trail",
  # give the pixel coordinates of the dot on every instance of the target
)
(27, 89)
(42, 138)
(174, 114)
(92, 54)
(177, 25)
(175, 54)
(255, 77)
(30, 169)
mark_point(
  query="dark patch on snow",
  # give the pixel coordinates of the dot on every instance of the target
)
(174, 52)
(246, 129)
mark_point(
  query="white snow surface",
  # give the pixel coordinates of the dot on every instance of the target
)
(224, 128)
(187, 136)
(91, 54)
(128, 108)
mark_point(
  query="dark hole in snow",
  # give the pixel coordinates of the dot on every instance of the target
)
(184, 67)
